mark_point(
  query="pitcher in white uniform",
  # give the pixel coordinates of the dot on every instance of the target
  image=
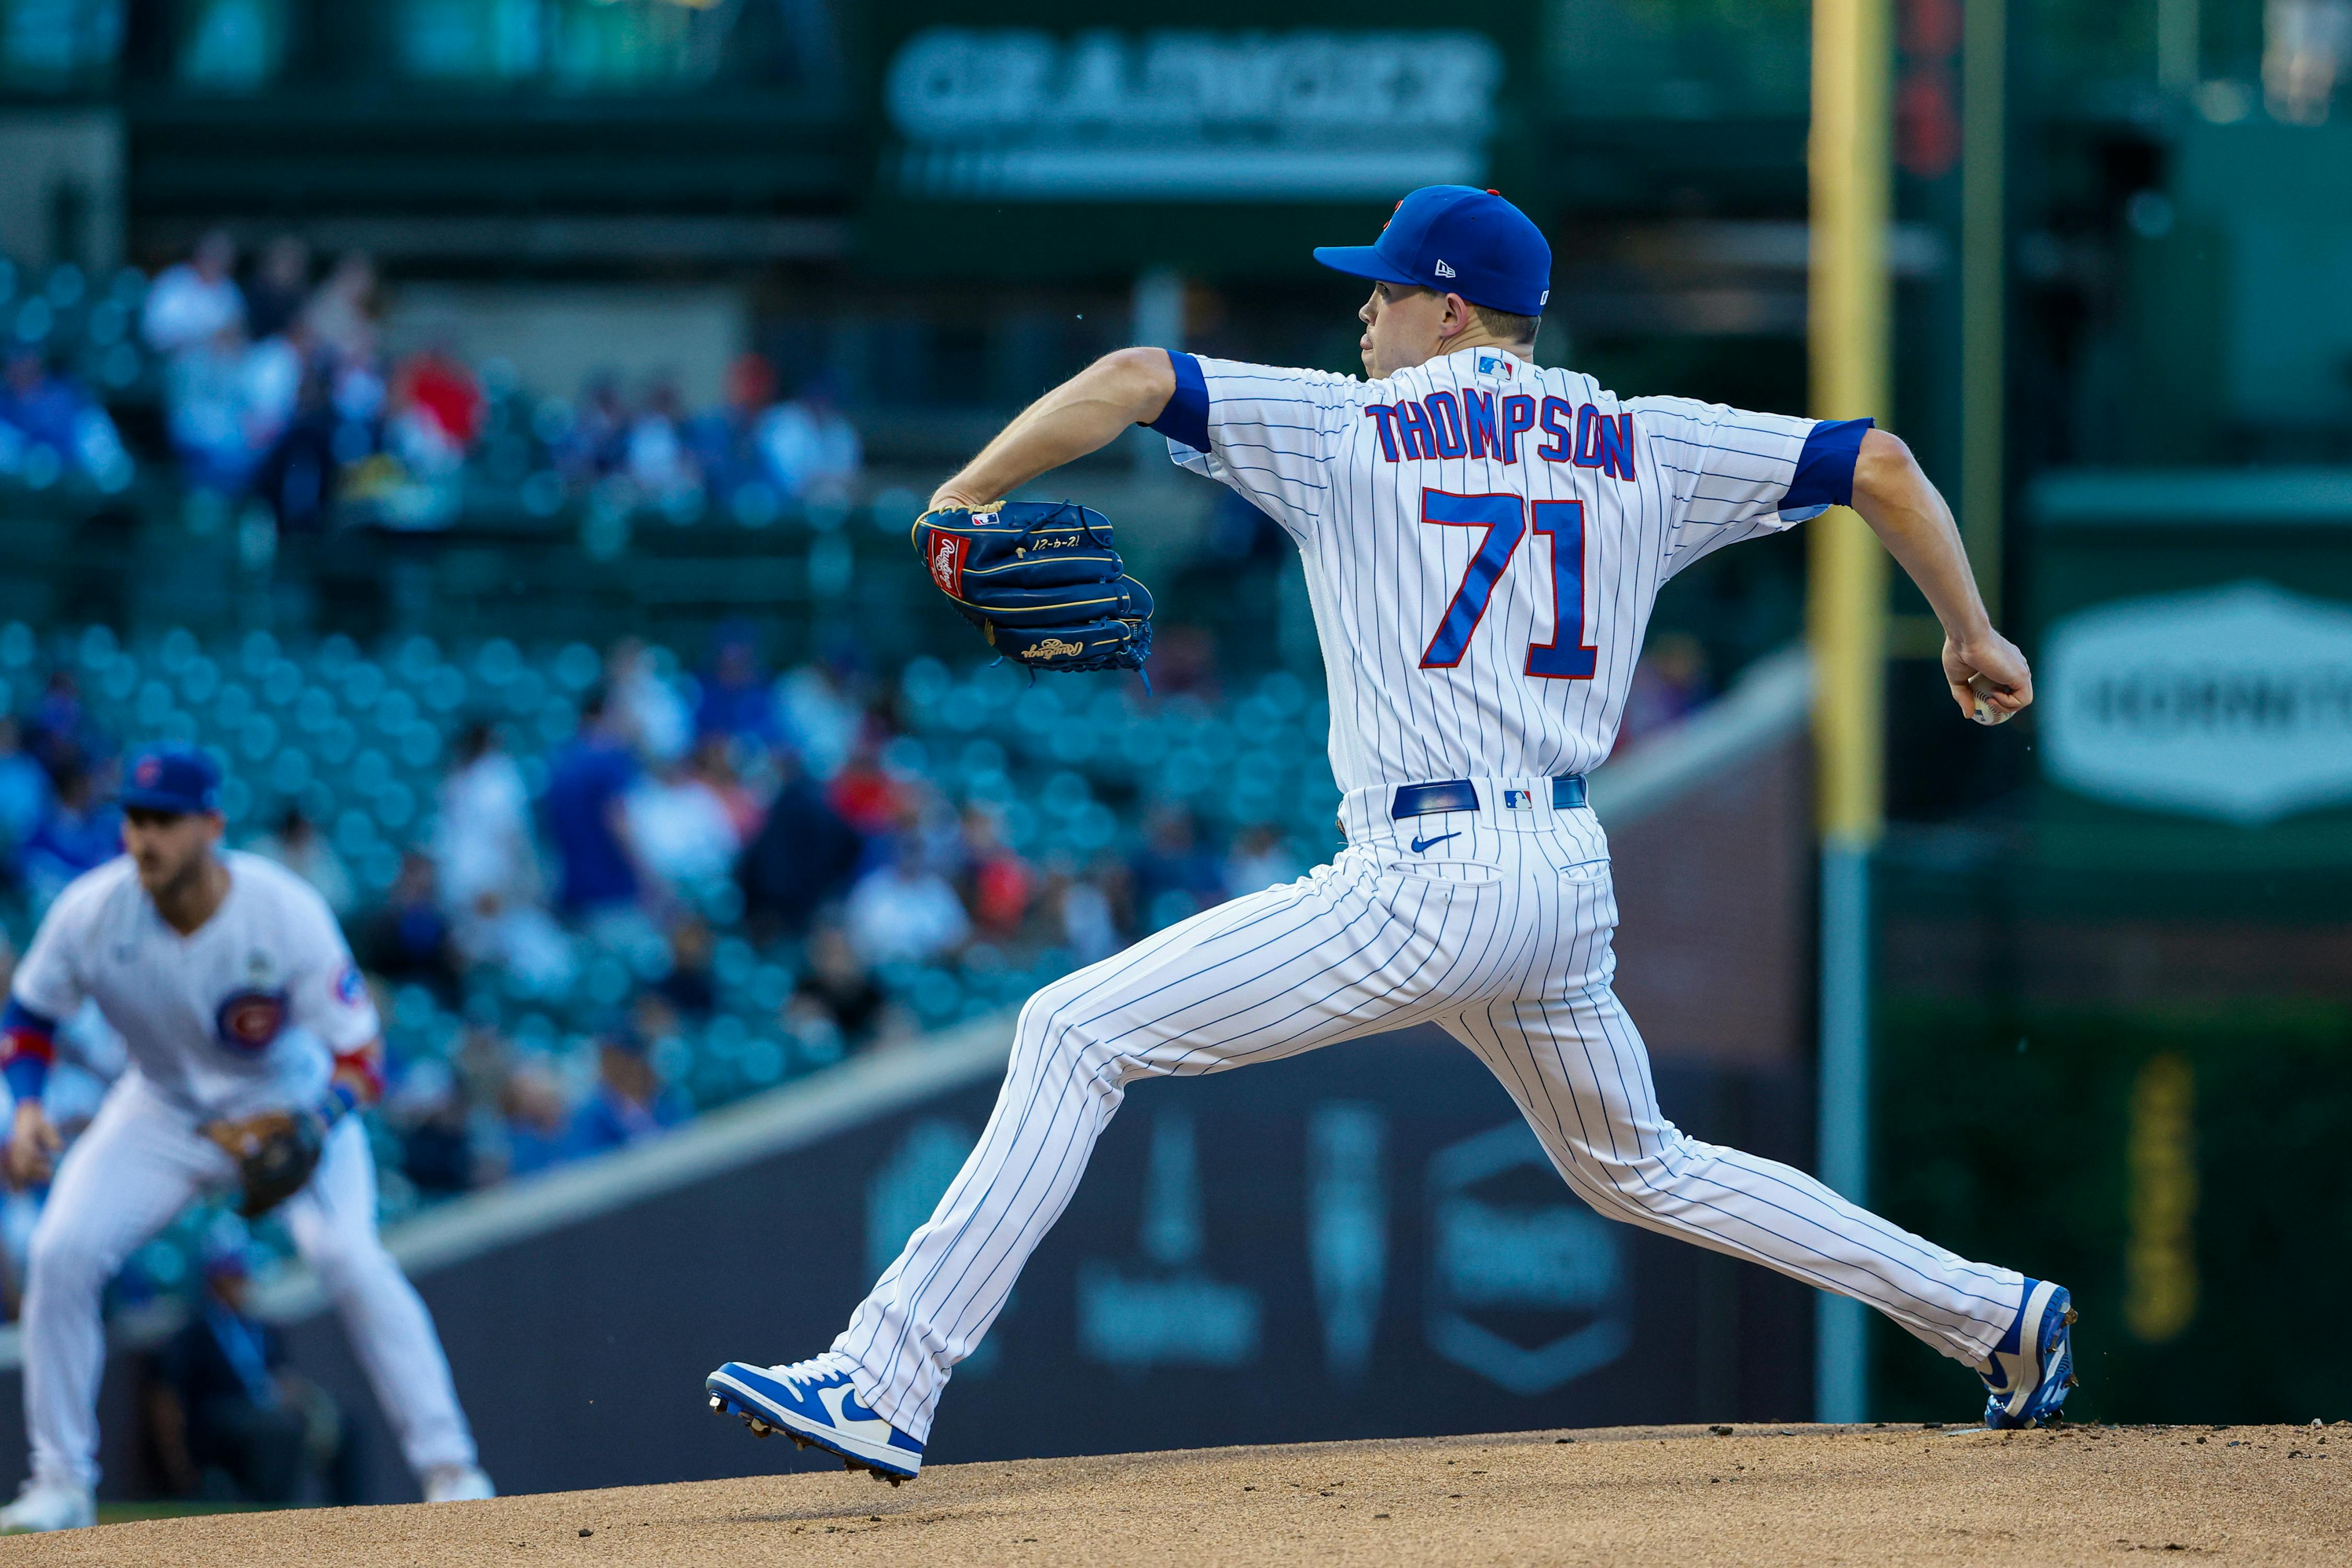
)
(1482, 540)
(234, 995)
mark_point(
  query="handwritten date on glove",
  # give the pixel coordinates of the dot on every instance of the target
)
(274, 1151)
(1042, 580)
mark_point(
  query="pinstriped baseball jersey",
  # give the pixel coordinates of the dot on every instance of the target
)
(1484, 539)
(1483, 542)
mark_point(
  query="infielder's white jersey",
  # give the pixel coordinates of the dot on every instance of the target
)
(1484, 539)
(242, 1016)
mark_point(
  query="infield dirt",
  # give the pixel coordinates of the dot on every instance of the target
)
(1688, 1496)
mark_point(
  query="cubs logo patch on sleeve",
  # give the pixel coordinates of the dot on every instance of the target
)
(350, 989)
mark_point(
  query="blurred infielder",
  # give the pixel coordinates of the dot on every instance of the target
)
(251, 1039)
(1482, 540)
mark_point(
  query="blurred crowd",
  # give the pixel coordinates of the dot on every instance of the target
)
(64, 348)
(596, 890)
(274, 384)
(712, 865)
(725, 855)
(279, 386)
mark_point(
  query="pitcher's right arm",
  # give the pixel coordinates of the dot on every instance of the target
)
(1907, 514)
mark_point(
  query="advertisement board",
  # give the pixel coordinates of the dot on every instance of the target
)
(1046, 140)
(1185, 114)
(2232, 704)
(2193, 634)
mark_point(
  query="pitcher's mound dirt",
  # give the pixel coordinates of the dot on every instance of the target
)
(1679, 1495)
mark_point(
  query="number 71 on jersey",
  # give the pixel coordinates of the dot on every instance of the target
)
(1505, 518)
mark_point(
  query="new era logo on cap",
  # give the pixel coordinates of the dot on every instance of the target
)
(1457, 239)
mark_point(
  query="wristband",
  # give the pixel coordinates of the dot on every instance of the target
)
(28, 1041)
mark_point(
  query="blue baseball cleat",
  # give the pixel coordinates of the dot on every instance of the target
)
(2030, 1369)
(814, 1401)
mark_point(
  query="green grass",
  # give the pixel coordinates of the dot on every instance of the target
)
(129, 1512)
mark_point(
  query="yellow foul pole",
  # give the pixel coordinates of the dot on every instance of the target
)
(1847, 315)
(1848, 324)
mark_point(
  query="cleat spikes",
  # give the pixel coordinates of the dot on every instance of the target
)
(848, 1464)
(717, 1405)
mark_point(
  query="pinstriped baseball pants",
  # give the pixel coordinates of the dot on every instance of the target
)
(1499, 932)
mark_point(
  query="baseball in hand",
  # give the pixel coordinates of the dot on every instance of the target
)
(1985, 712)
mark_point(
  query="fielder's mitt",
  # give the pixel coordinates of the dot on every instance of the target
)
(275, 1153)
(1042, 581)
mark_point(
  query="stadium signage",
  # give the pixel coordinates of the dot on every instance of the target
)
(2232, 704)
(1190, 115)
(1530, 1295)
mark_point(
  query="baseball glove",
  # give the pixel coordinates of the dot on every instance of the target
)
(274, 1152)
(1042, 581)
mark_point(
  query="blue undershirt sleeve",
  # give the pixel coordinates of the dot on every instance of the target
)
(1186, 418)
(1826, 468)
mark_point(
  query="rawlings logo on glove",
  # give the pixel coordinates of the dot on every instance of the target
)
(947, 564)
(1043, 583)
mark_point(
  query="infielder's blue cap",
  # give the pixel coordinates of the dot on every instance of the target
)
(177, 779)
(1457, 239)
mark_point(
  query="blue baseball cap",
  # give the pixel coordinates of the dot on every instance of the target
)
(177, 779)
(1457, 239)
